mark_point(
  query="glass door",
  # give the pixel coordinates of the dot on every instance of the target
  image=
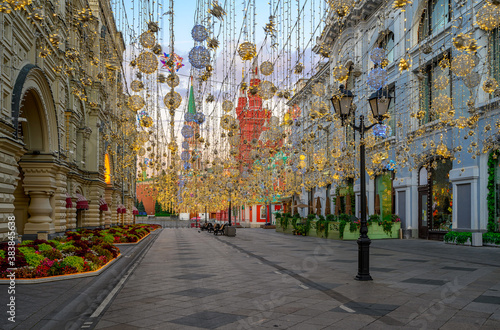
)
(423, 213)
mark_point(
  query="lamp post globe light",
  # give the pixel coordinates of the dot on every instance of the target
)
(379, 103)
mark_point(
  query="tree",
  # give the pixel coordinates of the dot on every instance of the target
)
(141, 207)
(158, 208)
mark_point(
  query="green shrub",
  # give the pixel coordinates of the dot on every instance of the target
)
(53, 254)
(108, 238)
(74, 261)
(330, 217)
(2, 254)
(457, 237)
(26, 242)
(44, 247)
(33, 259)
(491, 238)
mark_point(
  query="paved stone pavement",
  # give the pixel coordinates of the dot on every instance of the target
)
(263, 279)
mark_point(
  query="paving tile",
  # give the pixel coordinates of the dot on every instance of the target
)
(463, 269)
(424, 281)
(207, 320)
(488, 299)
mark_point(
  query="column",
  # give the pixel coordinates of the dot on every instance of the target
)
(60, 211)
(92, 214)
(10, 152)
(40, 184)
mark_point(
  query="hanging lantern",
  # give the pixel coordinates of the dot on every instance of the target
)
(199, 57)
(147, 39)
(199, 33)
(266, 68)
(136, 102)
(153, 27)
(247, 51)
(147, 62)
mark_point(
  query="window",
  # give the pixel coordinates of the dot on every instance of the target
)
(428, 90)
(441, 195)
(392, 113)
(387, 43)
(384, 194)
(434, 17)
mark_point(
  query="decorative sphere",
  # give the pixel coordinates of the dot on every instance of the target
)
(442, 104)
(227, 105)
(185, 145)
(172, 100)
(172, 146)
(266, 68)
(488, 17)
(187, 131)
(199, 118)
(173, 80)
(266, 90)
(490, 85)
(199, 33)
(247, 51)
(185, 155)
(318, 89)
(147, 39)
(441, 82)
(136, 102)
(199, 57)
(377, 78)
(340, 73)
(147, 62)
(137, 86)
(189, 117)
(377, 55)
(463, 64)
(146, 121)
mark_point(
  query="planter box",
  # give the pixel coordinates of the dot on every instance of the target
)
(374, 232)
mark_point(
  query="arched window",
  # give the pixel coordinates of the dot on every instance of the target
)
(434, 17)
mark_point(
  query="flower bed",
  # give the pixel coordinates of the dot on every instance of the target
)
(79, 251)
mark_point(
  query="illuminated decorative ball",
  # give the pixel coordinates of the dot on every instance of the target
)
(187, 166)
(488, 17)
(463, 64)
(19, 4)
(187, 131)
(266, 90)
(147, 39)
(199, 118)
(172, 146)
(146, 121)
(143, 137)
(266, 68)
(199, 57)
(172, 100)
(136, 102)
(185, 155)
(442, 104)
(247, 51)
(199, 33)
(399, 4)
(173, 80)
(377, 78)
(298, 68)
(137, 86)
(461, 41)
(189, 117)
(227, 105)
(318, 89)
(403, 64)
(185, 145)
(490, 85)
(141, 152)
(377, 55)
(382, 131)
(441, 82)
(226, 121)
(147, 62)
(320, 107)
(340, 73)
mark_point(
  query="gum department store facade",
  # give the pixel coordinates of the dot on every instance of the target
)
(59, 116)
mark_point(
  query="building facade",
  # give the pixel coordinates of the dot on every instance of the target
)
(433, 162)
(62, 138)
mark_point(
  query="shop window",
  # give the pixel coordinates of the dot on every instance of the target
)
(442, 196)
(428, 92)
(344, 198)
(494, 54)
(387, 43)
(384, 194)
(434, 17)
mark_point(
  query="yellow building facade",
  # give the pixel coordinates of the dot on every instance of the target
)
(63, 145)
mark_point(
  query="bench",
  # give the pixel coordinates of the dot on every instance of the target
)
(219, 229)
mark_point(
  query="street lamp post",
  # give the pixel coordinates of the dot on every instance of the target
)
(379, 104)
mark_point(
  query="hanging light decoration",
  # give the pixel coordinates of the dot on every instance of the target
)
(266, 90)
(199, 57)
(247, 51)
(377, 55)
(227, 105)
(172, 100)
(147, 62)
(199, 33)
(318, 89)
(488, 17)
(217, 11)
(401, 4)
(137, 86)
(147, 39)
(463, 64)
(472, 80)
(266, 68)
(340, 73)
(146, 121)
(136, 102)
(377, 78)
(173, 80)
(490, 85)
(187, 131)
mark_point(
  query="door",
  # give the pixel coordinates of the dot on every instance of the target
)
(423, 216)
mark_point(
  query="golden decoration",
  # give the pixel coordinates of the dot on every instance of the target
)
(227, 105)
(210, 98)
(266, 90)
(298, 68)
(401, 4)
(217, 11)
(266, 68)
(137, 86)
(488, 17)
(318, 89)
(146, 121)
(147, 62)
(340, 73)
(247, 51)
(5, 8)
(157, 50)
(153, 27)
(136, 102)
(173, 80)
(441, 82)
(212, 43)
(490, 85)
(463, 64)
(147, 39)
(172, 100)
(172, 146)
(161, 78)
(403, 64)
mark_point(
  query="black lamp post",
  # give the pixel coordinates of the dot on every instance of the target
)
(230, 187)
(379, 103)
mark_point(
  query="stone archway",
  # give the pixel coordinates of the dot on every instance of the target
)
(40, 196)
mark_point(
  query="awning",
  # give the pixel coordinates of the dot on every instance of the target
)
(81, 202)
(69, 202)
(135, 211)
(121, 209)
(103, 206)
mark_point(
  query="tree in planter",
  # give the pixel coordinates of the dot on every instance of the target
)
(322, 224)
(343, 219)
